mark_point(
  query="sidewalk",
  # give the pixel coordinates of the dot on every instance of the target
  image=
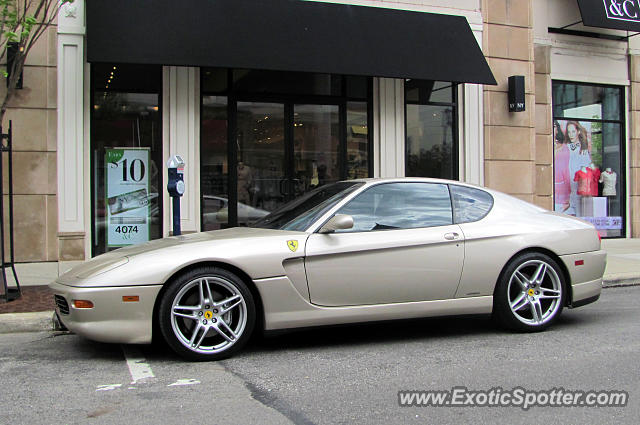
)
(33, 311)
(623, 262)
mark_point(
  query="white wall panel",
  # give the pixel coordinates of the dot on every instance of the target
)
(70, 137)
(181, 129)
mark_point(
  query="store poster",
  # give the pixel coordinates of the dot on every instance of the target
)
(127, 196)
(583, 187)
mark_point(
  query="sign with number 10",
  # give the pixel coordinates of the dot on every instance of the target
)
(127, 196)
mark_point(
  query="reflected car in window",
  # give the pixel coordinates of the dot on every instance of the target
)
(352, 251)
(216, 212)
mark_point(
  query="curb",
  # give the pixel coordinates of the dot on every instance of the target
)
(39, 321)
(619, 283)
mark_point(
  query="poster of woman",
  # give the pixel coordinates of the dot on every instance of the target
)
(572, 152)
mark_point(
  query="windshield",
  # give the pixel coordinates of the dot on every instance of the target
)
(300, 213)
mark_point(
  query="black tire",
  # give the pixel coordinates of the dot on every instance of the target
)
(199, 329)
(529, 297)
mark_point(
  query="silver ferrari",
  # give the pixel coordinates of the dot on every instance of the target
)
(353, 251)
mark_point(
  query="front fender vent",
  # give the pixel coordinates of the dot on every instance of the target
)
(61, 303)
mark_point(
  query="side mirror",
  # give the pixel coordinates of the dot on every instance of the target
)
(337, 222)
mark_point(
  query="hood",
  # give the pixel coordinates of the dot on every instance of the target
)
(191, 238)
(217, 245)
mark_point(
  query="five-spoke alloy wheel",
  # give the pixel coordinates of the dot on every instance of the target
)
(530, 294)
(207, 314)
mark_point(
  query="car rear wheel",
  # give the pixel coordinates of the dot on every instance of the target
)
(530, 293)
(207, 314)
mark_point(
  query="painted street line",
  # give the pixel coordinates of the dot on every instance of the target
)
(108, 387)
(184, 382)
(138, 367)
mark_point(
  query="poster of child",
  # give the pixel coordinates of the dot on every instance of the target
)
(572, 150)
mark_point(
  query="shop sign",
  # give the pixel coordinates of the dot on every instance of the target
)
(605, 223)
(127, 196)
(624, 10)
(613, 14)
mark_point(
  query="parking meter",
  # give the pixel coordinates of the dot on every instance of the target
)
(175, 186)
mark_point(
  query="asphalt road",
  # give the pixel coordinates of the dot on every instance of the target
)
(348, 374)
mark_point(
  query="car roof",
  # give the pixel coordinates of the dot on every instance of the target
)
(377, 180)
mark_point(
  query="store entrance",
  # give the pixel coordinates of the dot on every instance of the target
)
(269, 137)
(284, 150)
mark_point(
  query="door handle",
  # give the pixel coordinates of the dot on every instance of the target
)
(451, 236)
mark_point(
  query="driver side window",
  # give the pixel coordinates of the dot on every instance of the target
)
(400, 206)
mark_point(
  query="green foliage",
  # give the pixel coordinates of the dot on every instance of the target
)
(23, 22)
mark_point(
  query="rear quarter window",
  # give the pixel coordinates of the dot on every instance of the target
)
(470, 204)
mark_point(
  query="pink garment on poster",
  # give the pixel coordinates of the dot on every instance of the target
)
(562, 175)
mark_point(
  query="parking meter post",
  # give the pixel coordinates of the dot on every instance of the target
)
(176, 216)
(175, 187)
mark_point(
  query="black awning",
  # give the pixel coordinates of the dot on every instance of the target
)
(286, 35)
(613, 14)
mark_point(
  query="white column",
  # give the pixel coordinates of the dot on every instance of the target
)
(473, 134)
(181, 103)
(472, 116)
(389, 126)
(71, 144)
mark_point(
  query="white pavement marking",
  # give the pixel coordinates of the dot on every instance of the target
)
(108, 387)
(184, 382)
(138, 367)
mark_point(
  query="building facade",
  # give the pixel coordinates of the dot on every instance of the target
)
(96, 123)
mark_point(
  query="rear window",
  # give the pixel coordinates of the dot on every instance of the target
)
(470, 204)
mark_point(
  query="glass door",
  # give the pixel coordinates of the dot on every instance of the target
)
(316, 142)
(262, 159)
(268, 137)
(284, 151)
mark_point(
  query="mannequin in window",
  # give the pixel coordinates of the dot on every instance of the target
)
(315, 181)
(608, 178)
(595, 178)
(245, 181)
(584, 178)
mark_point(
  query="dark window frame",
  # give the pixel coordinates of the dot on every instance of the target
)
(234, 96)
(158, 155)
(455, 148)
(622, 180)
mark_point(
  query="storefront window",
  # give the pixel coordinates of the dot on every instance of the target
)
(292, 132)
(357, 140)
(126, 155)
(431, 130)
(214, 168)
(588, 134)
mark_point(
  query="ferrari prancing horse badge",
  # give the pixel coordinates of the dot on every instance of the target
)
(293, 245)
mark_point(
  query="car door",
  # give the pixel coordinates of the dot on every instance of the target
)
(403, 247)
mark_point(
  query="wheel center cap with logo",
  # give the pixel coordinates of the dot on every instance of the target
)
(208, 315)
(531, 292)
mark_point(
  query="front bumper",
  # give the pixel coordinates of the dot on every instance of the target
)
(111, 319)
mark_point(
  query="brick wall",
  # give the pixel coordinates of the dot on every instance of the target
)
(510, 157)
(544, 128)
(33, 114)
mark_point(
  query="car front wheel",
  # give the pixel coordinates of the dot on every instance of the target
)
(530, 293)
(207, 314)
